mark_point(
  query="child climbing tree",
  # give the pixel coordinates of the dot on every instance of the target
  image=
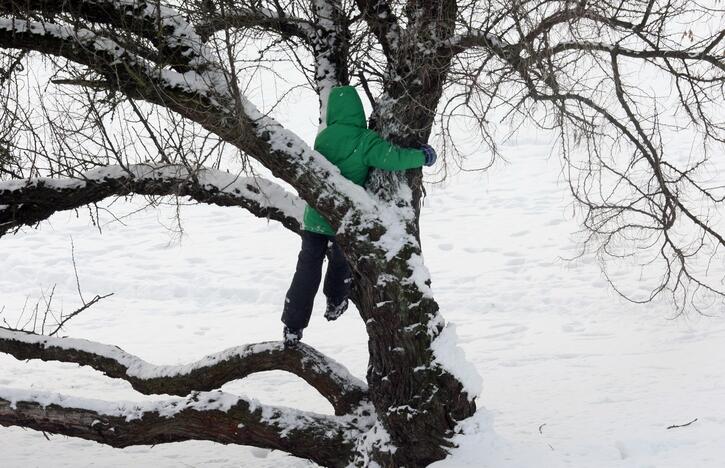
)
(423, 64)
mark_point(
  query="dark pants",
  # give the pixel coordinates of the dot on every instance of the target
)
(306, 282)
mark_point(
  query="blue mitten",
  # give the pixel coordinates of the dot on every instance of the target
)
(430, 155)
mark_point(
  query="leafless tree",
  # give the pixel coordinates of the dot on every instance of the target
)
(149, 98)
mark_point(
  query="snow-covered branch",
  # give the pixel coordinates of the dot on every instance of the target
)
(29, 201)
(478, 39)
(123, 69)
(383, 23)
(176, 40)
(213, 416)
(331, 379)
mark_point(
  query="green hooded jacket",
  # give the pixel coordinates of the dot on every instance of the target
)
(348, 144)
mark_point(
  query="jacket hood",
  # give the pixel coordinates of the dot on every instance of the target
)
(344, 107)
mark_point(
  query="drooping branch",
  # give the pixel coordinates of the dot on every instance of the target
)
(212, 416)
(642, 199)
(27, 202)
(331, 379)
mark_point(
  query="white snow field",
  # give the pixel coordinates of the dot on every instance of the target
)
(574, 376)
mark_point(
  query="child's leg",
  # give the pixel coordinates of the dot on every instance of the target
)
(338, 277)
(301, 294)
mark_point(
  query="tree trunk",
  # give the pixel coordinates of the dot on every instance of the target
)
(418, 401)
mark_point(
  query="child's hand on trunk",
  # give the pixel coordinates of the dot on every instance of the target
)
(430, 155)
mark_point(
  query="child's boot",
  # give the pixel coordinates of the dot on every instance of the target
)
(291, 336)
(335, 309)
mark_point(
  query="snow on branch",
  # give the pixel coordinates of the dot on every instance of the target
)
(478, 39)
(332, 380)
(134, 75)
(29, 201)
(213, 416)
(384, 24)
(165, 27)
(319, 181)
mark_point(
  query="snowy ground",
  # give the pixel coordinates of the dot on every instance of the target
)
(573, 375)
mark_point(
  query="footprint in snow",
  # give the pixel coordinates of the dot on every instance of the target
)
(520, 233)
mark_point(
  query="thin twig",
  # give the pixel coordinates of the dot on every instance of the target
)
(75, 269)
(675, 426)
(78, 311)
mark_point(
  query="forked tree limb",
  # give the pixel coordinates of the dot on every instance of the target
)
(383, 23)
(235, 16)
(331, 379)
(29, 201)
(212, 416)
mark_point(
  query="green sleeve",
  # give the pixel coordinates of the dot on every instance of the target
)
(384, 155)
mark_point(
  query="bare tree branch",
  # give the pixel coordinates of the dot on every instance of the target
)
(243, 15)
